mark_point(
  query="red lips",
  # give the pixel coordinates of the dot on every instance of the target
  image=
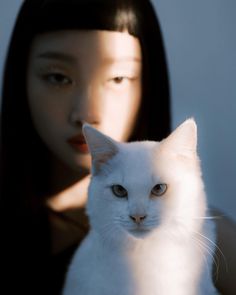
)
(78, 143)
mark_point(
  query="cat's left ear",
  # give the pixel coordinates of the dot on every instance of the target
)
(102, 148)
(183, 140)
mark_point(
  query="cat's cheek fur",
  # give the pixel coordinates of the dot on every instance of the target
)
(105, 210)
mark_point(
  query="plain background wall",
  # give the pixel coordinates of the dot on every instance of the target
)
(201, 49)
(8, 11)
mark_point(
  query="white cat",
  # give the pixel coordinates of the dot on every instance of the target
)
(147, 209)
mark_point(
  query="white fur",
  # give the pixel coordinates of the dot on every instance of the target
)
(173, 256)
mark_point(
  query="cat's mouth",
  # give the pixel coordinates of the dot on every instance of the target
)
(139, 231)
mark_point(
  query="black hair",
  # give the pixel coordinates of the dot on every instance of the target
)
(25, 161)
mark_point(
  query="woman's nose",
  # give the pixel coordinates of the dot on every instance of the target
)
(85, 108)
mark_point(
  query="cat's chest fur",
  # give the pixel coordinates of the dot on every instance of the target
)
(156, 265)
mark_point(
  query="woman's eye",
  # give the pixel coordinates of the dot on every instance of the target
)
(159, 189)
(57, 79)
(118, 80)
(119, 191)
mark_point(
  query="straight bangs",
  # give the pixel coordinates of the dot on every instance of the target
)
(115, 15)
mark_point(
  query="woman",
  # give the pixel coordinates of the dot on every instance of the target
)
(70, 61)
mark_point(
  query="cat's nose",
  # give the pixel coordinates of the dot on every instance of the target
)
(137, 218)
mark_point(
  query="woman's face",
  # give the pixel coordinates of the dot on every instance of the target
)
(83, 76)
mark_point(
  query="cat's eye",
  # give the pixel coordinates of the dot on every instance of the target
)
(119, 191)
(159, 189)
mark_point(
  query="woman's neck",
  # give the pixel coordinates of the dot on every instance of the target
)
(63, 177)
(66, 205)
(68, 187)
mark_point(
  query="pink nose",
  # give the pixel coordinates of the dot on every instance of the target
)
(137, 218)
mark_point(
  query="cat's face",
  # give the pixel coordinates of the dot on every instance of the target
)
(138, 187)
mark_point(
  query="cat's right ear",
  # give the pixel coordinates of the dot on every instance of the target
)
(101, 147)
(183, 140)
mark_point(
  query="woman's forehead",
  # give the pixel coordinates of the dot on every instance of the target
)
(109, 45)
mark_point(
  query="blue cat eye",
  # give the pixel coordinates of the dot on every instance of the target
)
(159, 189)
(119, 191)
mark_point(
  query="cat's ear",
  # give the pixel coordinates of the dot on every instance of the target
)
(183, 140)
(102, 148)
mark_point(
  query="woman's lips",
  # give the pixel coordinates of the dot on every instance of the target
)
(79, 144)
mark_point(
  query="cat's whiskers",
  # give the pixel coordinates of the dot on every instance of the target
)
(107, 232)
(206, 217)
(121, 220)
(202, 247)
(211, 252)
(180, 226)
(216, 247)
(151, 225)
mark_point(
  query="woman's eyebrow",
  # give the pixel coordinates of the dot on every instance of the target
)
(112, 60)
(58, 56)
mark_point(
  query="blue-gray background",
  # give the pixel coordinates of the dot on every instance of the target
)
(200, 38)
